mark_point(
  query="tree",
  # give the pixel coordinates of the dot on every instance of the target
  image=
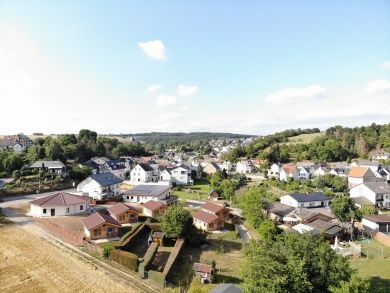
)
(292, 263)
(368, 209)
(80, 173)
(252, 204)
(176, 221)
(87, 134)
(268, 230)
(354, 285)
(345, 210)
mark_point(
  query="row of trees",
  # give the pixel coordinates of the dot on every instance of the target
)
(226, 185)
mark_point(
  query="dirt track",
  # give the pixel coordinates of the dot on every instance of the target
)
(30, 264)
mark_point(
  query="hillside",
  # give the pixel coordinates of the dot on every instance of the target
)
(304, 138)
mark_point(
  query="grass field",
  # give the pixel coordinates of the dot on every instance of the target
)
(375, 268)
(304, 138)
(199, 190)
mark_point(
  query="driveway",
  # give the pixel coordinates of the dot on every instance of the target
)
(194, 203)
(244, 234)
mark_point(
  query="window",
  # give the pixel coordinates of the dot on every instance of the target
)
(97, 232)
(302, 204)
(110, 230)
(127, 197)
(67, 210)
(81, 208)
(44, 211)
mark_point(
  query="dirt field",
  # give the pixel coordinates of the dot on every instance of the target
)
(30, 264)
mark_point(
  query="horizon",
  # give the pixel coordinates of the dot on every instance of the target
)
(251, 69)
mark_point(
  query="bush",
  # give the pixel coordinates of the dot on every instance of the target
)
(3, 174)
(126, 259)
(16, 174)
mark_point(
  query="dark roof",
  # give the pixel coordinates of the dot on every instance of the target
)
(116, 164)
(378, 218)
(119, 208)
(59, 199)
(279, 209)
(148, 190)
(146, 167)
(307, 214)
(97, 219)
(316, 196)
(153, 205)
(105, 179)
(226, 288)
(203, 268)
(205, 217)
(324, 226)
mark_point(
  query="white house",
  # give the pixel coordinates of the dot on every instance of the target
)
(304, 173)
(142, 173)
(311, 200)
(147, 192)
(165, 176)
(181, 175)
(320, 171)
(244, 167)
(379, 223)
(59, 204)
(358, 175)
(274, 171)
(101, 186)
(377, 192)
(289, 171)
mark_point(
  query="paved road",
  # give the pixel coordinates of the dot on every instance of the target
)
(244, 234)
(14, 200)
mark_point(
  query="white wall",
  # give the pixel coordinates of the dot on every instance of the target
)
(370, 224)
(37, 211)
(143, 199)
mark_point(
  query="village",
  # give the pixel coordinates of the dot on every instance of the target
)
(123, 211)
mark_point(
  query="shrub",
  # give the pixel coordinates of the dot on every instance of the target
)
(126, 259)
(3, 174)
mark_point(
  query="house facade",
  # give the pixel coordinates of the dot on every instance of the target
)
(54, 167)
(358, 175)
(153, 209)
(207, 221)
(142, 173)
(123, 214)
(289, 171)
(145, 192)
(100, 226)
(101, 186)
(244, 167)
(296, 200)
(377, 192)
(211, 168)
(181, 176)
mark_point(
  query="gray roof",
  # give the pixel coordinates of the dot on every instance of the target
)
(379, 187)
(145, 167)
(48, 164)
(323, 226)
(105, 179)
(361, 200)
(148, 190)
(226, 288)
(279, 209)
(316, 196)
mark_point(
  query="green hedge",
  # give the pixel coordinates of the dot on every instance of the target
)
(126, 259)
(173, 256)
(148, 258)
(126, 244)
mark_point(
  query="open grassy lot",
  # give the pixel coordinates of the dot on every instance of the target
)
(304, 138)
(198, 191)
(375, 268)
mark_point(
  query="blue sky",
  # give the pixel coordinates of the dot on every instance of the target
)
(248, 67)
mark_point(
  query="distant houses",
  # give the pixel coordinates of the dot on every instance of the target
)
(17, 143)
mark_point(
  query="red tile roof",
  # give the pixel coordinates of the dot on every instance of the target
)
(357, 172)
(153, 205)
(120, 208)
(205, 217)
(203, 268)
(289, 168)
(59, 199)
(97, 219)
(212, 207)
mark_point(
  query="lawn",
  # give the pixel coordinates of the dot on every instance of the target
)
(375, 268)
(198, 191)
(304, 138)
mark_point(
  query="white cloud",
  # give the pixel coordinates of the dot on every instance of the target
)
(153, 89)
(290, 94)
(186, 90)
(154, 49)
(165, 117)
(376, 86)
(385, 65)
(164, 100)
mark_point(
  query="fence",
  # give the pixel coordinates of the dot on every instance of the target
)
(61, 233)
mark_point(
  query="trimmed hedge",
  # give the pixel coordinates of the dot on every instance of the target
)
(173, 256)
(157, 277)
(148, 258)
(126, 244)
(126, 259)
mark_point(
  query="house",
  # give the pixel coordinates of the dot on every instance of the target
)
(380, 155)
(59, 204)
(153, 209)
(303, 229)
(204, 272)
(379, 223)
(358, 175)
(276, 211)
(317, 199)
(331, 230)
(320, 171)
(17, 143)
(377, 192)
(289, 171)
(142, 173)
(211, 168)
(101, 186)
(116, 167)
(244, 167)
(123, 213)
(165, 176)
(53, 167)
(207, 221)
(226, 288)
(274, 171)
(305, 216)
(146, 192)
(181, 175)
(158, 237)
(304, 173)
(373, 165)
(213, 195)
(100, 226)
(216, 209)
